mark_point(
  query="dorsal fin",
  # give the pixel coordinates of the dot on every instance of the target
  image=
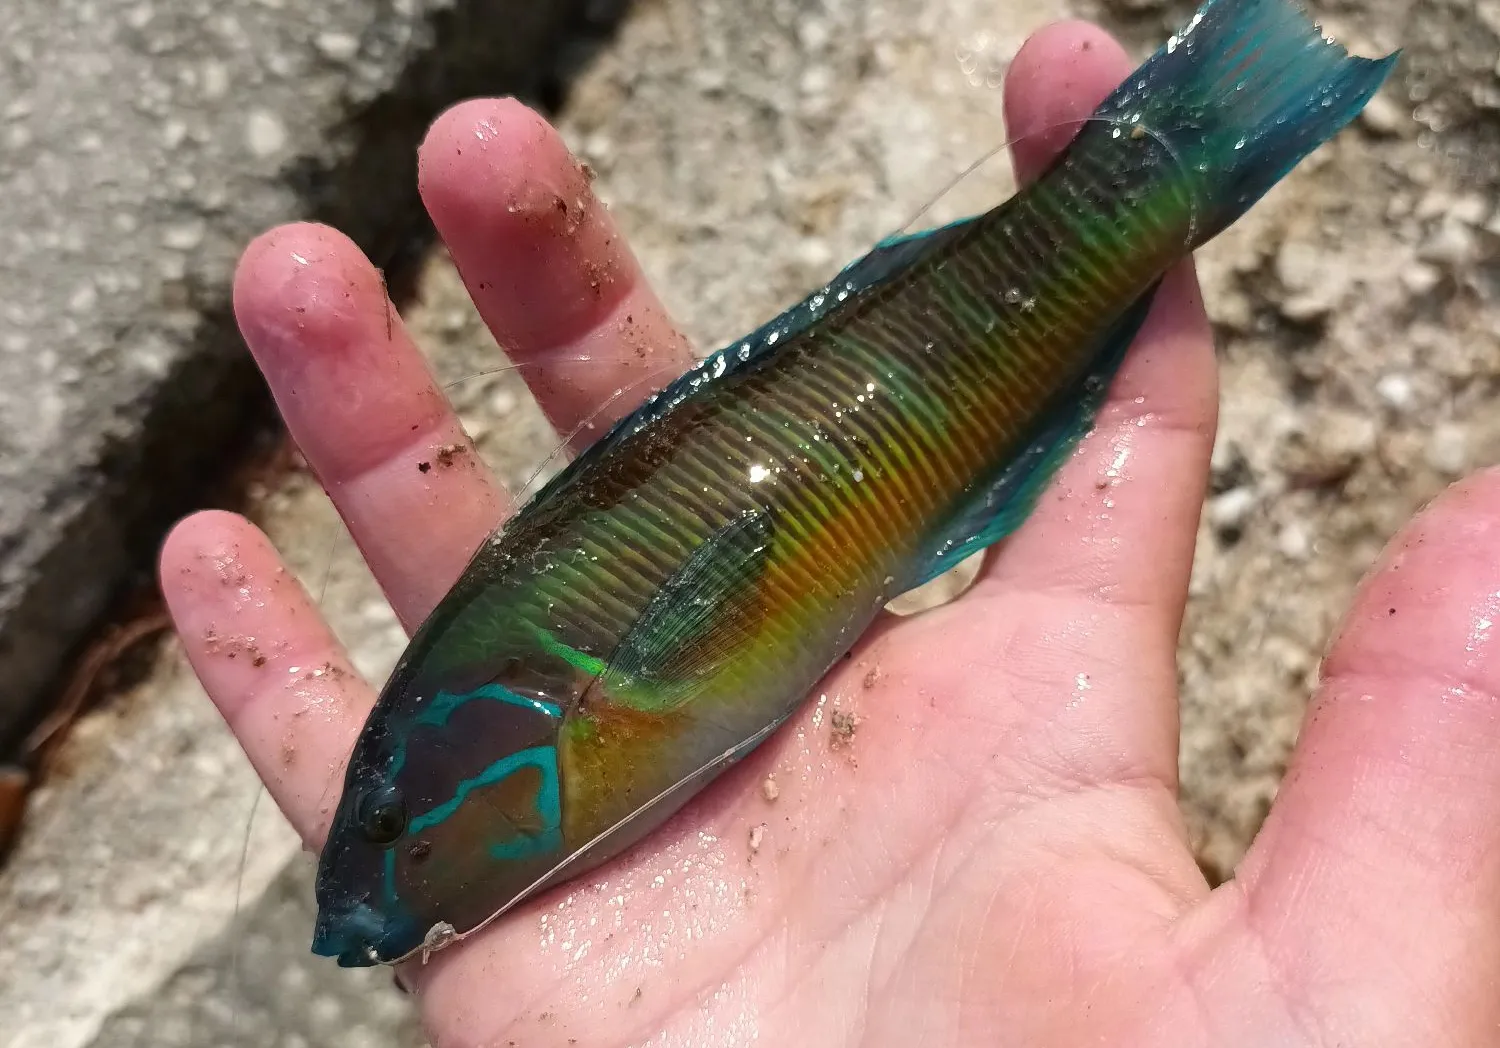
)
(889, 258)
(886, 260)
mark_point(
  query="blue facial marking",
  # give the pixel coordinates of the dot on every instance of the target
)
(437, 712)
(445, 702)
(548, 803)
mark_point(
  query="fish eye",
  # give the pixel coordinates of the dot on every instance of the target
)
(382, 815)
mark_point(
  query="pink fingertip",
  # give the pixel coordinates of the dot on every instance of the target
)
(346, 376)
(542, 258)
(1056, 80)
(241, 615)
(304, 287)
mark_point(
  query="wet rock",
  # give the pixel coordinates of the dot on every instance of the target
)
(139, 152)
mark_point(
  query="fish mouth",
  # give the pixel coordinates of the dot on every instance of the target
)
(355, 934)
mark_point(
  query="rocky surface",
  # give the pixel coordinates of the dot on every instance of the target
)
(749, 150)
(141, 145)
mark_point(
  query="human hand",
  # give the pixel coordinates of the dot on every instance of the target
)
(997, 856)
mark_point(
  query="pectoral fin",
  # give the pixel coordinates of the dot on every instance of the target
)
(696, 619)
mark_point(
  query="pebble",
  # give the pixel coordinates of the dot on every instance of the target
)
(1383, 116)
(1471, 209)
(1448, 449)
(337, 47)
(1318, 283)
(1489, 14)
(1299, 266)
(1311, 306)
(1343, 436)
(265, 134)
(1230, 510)
(1293, 541)
(1453, 244)
(1396, 390)
(183, 237)
(1434, 203)
(1419, 278)
(504, 402)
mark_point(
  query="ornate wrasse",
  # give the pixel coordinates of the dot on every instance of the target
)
(669, 599)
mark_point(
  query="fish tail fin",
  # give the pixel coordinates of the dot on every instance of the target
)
(1240, 95)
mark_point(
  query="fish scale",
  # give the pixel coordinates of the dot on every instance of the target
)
(672, 596)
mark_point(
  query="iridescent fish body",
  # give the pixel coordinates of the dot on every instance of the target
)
(672, 596)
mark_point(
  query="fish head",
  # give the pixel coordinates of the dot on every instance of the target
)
(451, 812)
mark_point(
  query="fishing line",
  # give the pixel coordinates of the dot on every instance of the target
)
(338, 532)
(524, 492)
(520, 495)
(504, 368)
(952, 184)
(235, 939)
(1123, 126)
(1135, 128)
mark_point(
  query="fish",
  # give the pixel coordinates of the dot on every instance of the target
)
(669, 599)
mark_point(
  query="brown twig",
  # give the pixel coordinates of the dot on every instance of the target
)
(102, 654)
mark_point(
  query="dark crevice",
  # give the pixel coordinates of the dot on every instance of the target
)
(211, 426)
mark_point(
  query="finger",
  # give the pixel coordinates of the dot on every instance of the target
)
(545, 264)
(1383, 847)
(363, 406)
(1057, 79)
(267, 660)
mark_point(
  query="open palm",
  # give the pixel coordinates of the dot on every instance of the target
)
(971, 836)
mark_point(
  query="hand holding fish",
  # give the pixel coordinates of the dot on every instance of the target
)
(1003, 861)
